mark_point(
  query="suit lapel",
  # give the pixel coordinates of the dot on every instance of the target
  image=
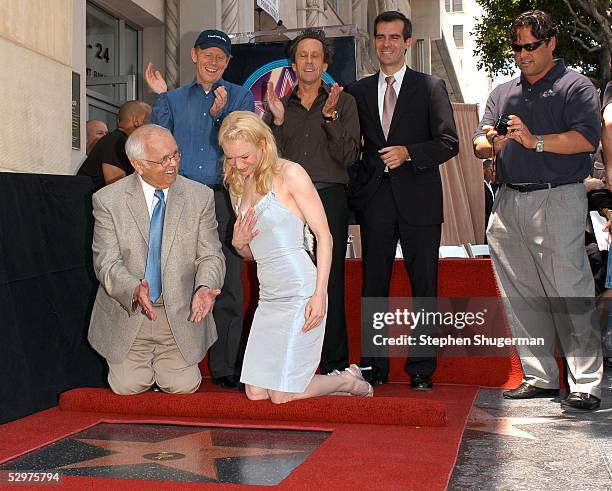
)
(371, 91)
(406, 92)
(174, 208)
(138, 207)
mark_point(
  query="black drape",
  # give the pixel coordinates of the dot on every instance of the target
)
(47, 289)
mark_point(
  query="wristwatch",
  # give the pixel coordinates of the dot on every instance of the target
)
(540, 145)
(333, 117)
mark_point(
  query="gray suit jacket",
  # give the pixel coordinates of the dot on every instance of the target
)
(191, 256)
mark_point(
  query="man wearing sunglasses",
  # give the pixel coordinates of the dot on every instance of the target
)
(536, 231)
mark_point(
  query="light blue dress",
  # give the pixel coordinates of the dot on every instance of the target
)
(279, 355)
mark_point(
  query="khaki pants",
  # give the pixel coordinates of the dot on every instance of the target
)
(154, 358)
(536, 241)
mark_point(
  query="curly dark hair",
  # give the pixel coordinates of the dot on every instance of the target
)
(392, 15)
(319, 35)
(541, 23)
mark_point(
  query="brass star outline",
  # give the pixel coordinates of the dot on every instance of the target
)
(200, 453)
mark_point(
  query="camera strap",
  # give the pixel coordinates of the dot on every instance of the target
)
(502, 105)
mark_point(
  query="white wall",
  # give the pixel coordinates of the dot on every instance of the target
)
(36, 54)
(79, 54)
(140, 12)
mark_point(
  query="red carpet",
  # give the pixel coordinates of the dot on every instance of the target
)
(233, 405)
(354, 457)
(385, 451)
(456, 278)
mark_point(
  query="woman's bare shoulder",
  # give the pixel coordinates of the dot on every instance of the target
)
(291, 170)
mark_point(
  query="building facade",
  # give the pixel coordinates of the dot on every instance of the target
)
(67, 61)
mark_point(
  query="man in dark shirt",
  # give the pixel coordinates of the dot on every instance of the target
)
(108, 162)
(536, 232)
(317, 126)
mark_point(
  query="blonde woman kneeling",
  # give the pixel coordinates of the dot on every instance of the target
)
(274, 199)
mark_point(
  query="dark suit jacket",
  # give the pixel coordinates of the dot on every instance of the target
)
(423, 122)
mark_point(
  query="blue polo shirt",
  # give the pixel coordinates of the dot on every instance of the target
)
(186, 113)
(563, 100)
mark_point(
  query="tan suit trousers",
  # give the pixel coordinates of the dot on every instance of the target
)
(154, 358)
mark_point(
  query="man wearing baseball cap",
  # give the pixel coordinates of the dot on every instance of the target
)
(194, 113)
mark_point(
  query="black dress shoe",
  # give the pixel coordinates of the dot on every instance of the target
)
(421, 382)
(581, 401)
(374, 378)
(528, 391)
(229, 382)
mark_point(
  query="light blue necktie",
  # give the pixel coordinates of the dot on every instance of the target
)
(156, 231)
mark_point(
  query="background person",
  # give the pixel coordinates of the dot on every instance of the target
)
(536, 233)
(317, 126)
(108, 161)
(94, 130)
(194, 113)
(490, 186)
(408, 131)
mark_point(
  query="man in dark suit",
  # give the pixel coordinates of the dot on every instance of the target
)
(408, 130)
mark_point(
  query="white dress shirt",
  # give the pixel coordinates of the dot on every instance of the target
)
(382, 87)
(490, 188)
(149, 193)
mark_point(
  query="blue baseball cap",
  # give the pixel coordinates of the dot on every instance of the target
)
(213, 38)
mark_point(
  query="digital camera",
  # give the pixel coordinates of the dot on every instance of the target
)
(502, 125)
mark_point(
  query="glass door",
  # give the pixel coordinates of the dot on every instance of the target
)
(113, 61)
(105, 108)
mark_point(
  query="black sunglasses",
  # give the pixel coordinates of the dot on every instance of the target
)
(517, 48)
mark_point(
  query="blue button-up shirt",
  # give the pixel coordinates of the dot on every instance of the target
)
(186, 113)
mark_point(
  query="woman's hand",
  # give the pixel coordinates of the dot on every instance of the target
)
(315, 311)
(243, 229)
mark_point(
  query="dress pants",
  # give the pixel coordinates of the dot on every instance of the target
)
(334, 355)
(536, 240)
(224, 355)
(381, 227)
(154, 358)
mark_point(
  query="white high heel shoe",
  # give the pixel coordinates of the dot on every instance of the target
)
(355, 371)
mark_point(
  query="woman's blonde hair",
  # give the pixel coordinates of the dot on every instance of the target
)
(247, 126)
